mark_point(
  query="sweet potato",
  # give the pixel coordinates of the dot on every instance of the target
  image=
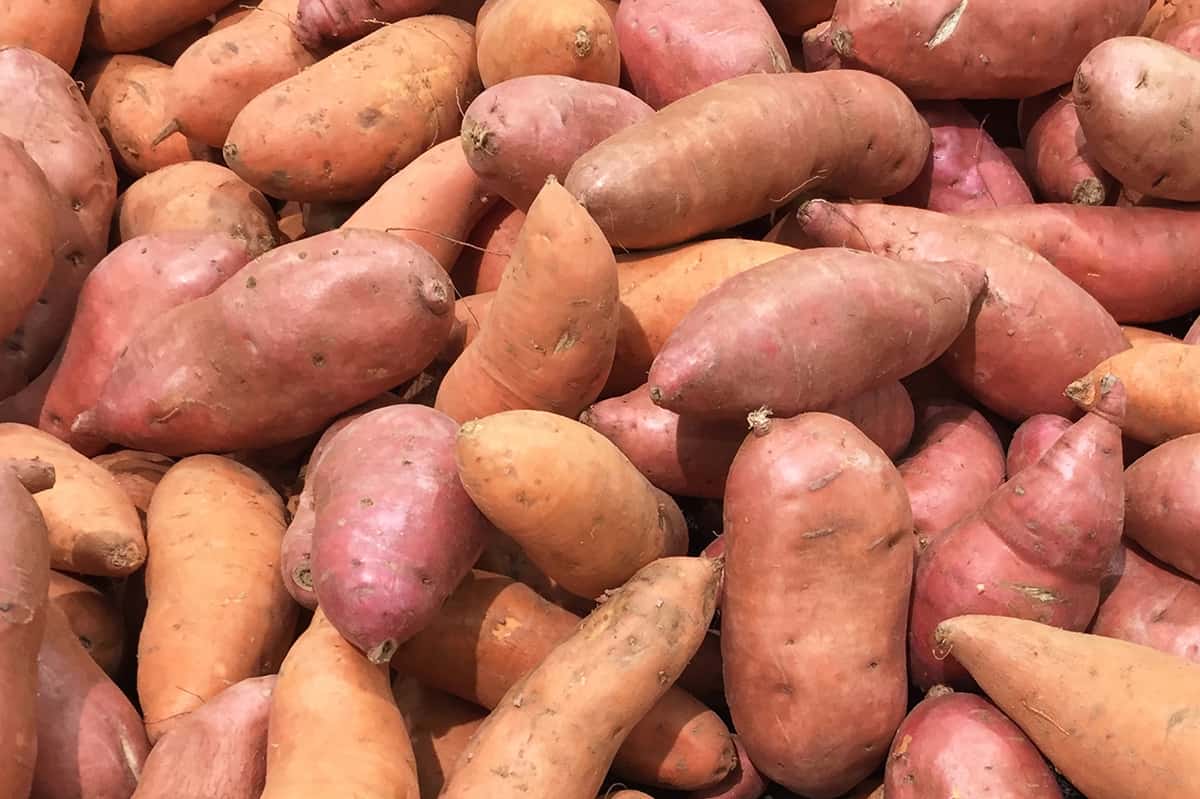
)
(1108, 749)
(550, 334)
(965, 169)
(1028, 305)
(433, 202)
(93, 527)
(522, 131)
(263, 365)
(493, 631)
(943, 50)
(1031, 440)
(126, 95)
(1186, 37)
(131, 287)
(1193, 334)
(219, 750)
(1165, 17)
(956, 462)
(1057, 153)
(513, 464)
(169, 49)
(486, 254)
(27, 227)
(672, 177)
(33, 473)
(124, 26)
(1159, 508)
(1036, 549)
(91, 743)
(387, 553)
(1151, 604)
(24, 575)
(907, 315)
(339, 22)
(1128, 92)
(743, 782)
(575, 38)
(138, 473)
(659, 288)
(1162, 381)
(959, 743)
(469, 313)
(218, 612)
(95, 620)
(339, 129)
(1140, 336)
(819, 559)
(439, 725)
(817, 48)
(551, 715)
(53, 28)
(672, 49)
(26, 405)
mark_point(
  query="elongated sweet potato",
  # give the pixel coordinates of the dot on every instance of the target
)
(124, 26)
(218, 612)
(24, 575)
(440, 727)
(338, 130)
(263, 363)
(1107, 749)
(957, 461)
(91, 743)
(93, 527)
(668, 179)
(433, 202)
(1031, 440)
(131, 287)
(575, 38)
(220, 749)
(27, 227)
(1028, 305)
(334, 707)
(54, 29)
(493, 631)
(672, 49)
(1151, 604)
(947, 50)
(960, 743)
(93, 617)
(658, 619)
(338, 22)
(1036, 549)
(837, 519)
(798, 333)
(1060, 162)
(1126, 89)
(486, 254)
(965, 169)
(1159, 505)
(550, 334)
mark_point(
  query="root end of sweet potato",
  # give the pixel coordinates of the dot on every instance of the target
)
(1082, 392)
(477, 138)
(383, 652)
(1089, 191)
(843, 42)
(938, 690)
(437, 296)
(126, 558)
(302, 577)
(760, 421)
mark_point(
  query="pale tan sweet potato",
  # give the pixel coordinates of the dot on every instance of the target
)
(527, 37)
(96, 621)
(125, 26)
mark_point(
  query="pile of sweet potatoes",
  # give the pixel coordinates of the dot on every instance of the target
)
(637, 399)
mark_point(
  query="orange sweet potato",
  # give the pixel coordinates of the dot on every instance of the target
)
(527, 37)
(34, 474)
(339, 129)
(1151, 604)
(491, 244)
(217, 610)
(124, 26)
(549, 337)
(1159, 505)
(469, 313)
(1057, 154)
(54, 28)
(27, 225)
(440, 727)
(93, 617)
(1140, 336)
(743, 782)
(138, 473)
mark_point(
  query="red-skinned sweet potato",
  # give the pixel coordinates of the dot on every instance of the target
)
(93, 617)
(125, 26)
(838, 520)
(672, 49)
(1036, 549)
(27, 227)
(1159, 505)
(908, 314)
(269, 384)
(1059, 161)
(817, 48)
(743, 782)
(54, 29)
(668, 179)
(1031, 440)
(440, 727)
(489, 247)
(527, 37)
(1151, 604)
(339, 22)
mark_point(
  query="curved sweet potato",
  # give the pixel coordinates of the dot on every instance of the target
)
(1151, 604)
(138, 473)
(488, 249)
(439, 725)
(123, 26)
(27, 228)
(1059, 160)
(1159, 504)
(812, 496)
(339, 22)
(668, 179)
(54, 29)
(96, 621)
(469, 313)
(798, 333)
(528, 37)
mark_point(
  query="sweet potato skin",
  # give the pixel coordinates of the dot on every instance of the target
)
(908, 315)
(643, 188)
(1125, 89)
(93, 618)
(1151, 604)
(125, 26)
(439, 725)
(337, 131)
(258, 383)
(525, 37)
(942, 51)
(1031, 440)
(818, 469)
(483, 261)
(54, 29)
(1159, 503)
(1140, 336)
(672, 49)
(138, 473)
(1059, 160)
(343, 21)
(27, 226)
(520, 132)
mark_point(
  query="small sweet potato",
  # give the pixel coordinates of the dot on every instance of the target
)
(575, 38)
(1151, 604)
(93, 617)
(138, 473)
(1159, 505)
(339, 22)
(262, 363)
(338, 130)
(53, 28)
(1032, 438)
(1140, 336)
(671, 177)
(486, 254)
(27, 227)
(1057, 153)
(672, 49)
(440, 727)
(217, 612)
(743, 782)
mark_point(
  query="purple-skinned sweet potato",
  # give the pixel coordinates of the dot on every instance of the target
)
(272, 356)
(1036, 549)
(1028, 305)
(1032, 438)
(387, 552)
(519, 132)
(960, 744)
(1149, 603)
(956, 462)
(799, 351)
(1057, 154)
(339, 22)
(673, 48)
(130, 288)
(1161, 505)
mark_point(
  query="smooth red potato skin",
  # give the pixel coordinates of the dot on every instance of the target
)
(1151, 604)
(1031, 440)
(1057, 154)
(342, 21)
(673, 48)
(1161, 505)
(27, 227)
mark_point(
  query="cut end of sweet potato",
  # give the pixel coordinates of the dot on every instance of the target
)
(476, 138)
(1083, 393)
(302, 577)
(383, 651)
(1089, 191)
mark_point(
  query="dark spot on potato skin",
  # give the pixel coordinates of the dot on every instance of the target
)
(369, 117)
(251, 282)
(318, 359)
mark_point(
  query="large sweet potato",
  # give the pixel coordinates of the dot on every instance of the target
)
(339, 22)
(528, 37)
(684, 171)
(1057, 153)
(263, 359)
(27, 225)
(819, 560)
(1151, 604)
(1161, 505)
(53, 28)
